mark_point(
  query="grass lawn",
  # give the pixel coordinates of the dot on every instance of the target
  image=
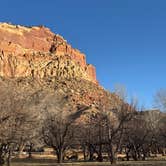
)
(51, 162)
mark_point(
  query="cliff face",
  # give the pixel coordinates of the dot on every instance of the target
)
(38, 52)
(35, 61)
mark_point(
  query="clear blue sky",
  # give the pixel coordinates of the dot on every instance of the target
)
(124, 39)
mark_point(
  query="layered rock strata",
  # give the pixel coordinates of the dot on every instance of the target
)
(38, 52)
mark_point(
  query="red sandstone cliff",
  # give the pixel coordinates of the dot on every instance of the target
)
(38, 52)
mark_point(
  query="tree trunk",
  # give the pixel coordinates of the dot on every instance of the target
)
(127, 156)
(139, 154)
(90, 153)
(2, 161)
(84, 152)
(30, 151)
(8, 159)
(59, 156)
(90, 156)
(163, 152)
(100, 157)
(144, 157)
(2, 155)
(144, 154)
(112, 155)
(134, 155)
(21, 148)
(113, 158)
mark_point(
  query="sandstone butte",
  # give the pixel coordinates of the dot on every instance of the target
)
(38, 52)
(34, 60)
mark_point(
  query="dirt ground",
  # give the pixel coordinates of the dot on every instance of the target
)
(52, 162)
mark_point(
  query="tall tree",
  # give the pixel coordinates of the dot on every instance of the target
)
(58, 127)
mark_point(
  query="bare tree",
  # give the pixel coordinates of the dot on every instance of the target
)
(9, 107)
(116, 121)
(17, 119)
(121, 91)
(160, 103)
(160, 99)
(58, 128)
(92, 133)
(137, 137)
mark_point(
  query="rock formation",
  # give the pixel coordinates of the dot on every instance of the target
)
(38, 52)
(34, 60)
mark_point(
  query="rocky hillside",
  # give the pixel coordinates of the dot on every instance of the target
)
(38, 52)
(37, 62)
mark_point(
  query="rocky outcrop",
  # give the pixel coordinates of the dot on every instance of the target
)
(40, 64)
(38, 52)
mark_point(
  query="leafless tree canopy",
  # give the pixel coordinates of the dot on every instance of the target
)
(76, 115)
(160, 99)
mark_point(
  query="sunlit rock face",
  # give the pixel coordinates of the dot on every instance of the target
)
(34, 60)
(38, 52)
